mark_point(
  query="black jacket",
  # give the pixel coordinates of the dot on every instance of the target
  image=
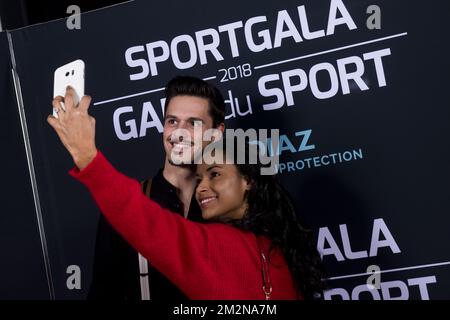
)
(116, 267)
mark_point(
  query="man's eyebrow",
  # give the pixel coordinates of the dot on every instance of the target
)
(195, 119)
(170, 116)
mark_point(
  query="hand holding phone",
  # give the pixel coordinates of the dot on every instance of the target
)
(75, 127)
(71, 74)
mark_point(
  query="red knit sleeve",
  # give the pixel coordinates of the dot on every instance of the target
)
(175, 246)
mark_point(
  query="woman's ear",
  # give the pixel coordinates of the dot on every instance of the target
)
(248, 184)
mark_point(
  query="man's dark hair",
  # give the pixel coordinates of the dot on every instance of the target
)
(192, 86)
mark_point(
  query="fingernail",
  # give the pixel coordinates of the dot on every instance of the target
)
(68, 87)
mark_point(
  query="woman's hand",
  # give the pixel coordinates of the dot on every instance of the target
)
(75, 127)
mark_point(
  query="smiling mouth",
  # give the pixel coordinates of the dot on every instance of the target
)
(180, 146)
(204, 202)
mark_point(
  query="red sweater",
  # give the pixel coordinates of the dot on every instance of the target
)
(206, 261)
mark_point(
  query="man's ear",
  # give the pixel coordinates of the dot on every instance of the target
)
(221, 127)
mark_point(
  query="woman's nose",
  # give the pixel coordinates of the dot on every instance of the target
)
(202, 186)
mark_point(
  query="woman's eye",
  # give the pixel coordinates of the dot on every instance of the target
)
(214, 174)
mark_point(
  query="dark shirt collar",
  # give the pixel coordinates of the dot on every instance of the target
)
(166, 194)
(162, 182)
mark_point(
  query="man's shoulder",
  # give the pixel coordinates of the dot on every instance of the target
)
(146, 186)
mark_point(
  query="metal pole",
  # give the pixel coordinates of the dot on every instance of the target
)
(31, 170)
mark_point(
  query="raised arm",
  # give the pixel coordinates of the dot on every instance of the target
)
(175, 246)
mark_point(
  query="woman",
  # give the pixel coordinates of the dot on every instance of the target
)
(254, 248)
(238, 195)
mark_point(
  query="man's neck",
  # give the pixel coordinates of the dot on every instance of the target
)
(181, 177)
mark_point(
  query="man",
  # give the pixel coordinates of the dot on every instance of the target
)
(120, 273)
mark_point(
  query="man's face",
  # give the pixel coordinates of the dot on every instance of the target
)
(188, 113)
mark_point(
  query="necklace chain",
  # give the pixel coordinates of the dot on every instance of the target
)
(267, 284)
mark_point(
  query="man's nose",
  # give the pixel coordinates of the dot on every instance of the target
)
(180, 134)
(182, 124)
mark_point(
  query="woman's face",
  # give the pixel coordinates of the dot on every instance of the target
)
(221, 191)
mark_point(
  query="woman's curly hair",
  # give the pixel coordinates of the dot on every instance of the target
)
(271, 213)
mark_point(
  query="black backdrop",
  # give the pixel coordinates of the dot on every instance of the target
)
(22, 272)
(382, 201)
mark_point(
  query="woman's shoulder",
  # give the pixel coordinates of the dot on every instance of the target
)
(226, 230)
(227, 237)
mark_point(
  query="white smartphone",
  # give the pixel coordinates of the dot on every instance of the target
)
(71, 74)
